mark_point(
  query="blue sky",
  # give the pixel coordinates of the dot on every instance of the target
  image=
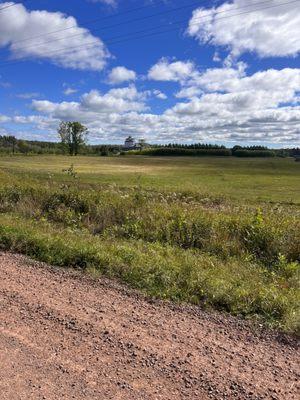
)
(222, 72)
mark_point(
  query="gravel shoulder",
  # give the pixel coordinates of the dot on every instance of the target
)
(64, 335)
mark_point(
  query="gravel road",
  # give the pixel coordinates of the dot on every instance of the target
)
(64, 335)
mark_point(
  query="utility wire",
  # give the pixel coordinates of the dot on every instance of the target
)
(135, 20)
(149, 29)
(92, 44)
(92, 21)
(197, 23)
(13, 5)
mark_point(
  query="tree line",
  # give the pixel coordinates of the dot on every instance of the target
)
(73, 141)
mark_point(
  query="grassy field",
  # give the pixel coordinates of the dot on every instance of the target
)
(242, 179)
(220, 232)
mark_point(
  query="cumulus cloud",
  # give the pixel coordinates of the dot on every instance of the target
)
(94, 103)
(76, 48)
(229, 93)
(121, 74)
(273, 126)
(116, 100)
(285, 82)
(212, 79)
(68, 91)
(176, 71)
(268, 31)
(159, 95)
(225, 104)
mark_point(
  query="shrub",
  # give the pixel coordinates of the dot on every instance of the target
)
(71, 199)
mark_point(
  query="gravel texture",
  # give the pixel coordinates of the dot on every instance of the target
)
(64, 335)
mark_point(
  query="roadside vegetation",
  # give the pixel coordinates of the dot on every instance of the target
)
(201, 231)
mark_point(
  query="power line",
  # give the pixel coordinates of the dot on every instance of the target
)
(13, 5)
(225, 17)
(62, 51)
(135, 20)
(131, 10)
(119, 24)
(146, 30)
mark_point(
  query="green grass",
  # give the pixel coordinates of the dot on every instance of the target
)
(220, 232)
(240, 179)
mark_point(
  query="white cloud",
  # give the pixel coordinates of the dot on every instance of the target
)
(175, 71)
(280, 85)
(4, 118)
(217, 79)
(112, 3)
(68, 91)
(228, 93)
(121, 74)
(217, 104)
(273, 126)
(114, 101)
(160, 95)
(76, 48)
(268, 31)
(95, 104)
(27, 96)
(227, 105)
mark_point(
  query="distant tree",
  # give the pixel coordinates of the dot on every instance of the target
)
(12, 141)
(8, 142)
(72, 134)
(236, 148)
(23, 146)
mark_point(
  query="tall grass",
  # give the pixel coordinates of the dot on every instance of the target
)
(240, 286)
(261, 234)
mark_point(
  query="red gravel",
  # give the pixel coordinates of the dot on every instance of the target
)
(64, 335)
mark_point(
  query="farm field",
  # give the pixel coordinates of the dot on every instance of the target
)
(218, 232)
(239, 179)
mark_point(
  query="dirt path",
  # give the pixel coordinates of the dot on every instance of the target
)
(65, 336)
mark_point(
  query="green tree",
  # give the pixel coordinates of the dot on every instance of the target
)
(13, 142)
(9, 142)
(23, 146)
(72, 134)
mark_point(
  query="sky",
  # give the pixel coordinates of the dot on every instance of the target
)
(224, 72)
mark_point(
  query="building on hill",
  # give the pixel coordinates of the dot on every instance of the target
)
(130, 143)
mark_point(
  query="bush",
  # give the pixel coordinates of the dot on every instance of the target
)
(70, 199)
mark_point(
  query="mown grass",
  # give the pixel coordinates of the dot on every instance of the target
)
(173, 238)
